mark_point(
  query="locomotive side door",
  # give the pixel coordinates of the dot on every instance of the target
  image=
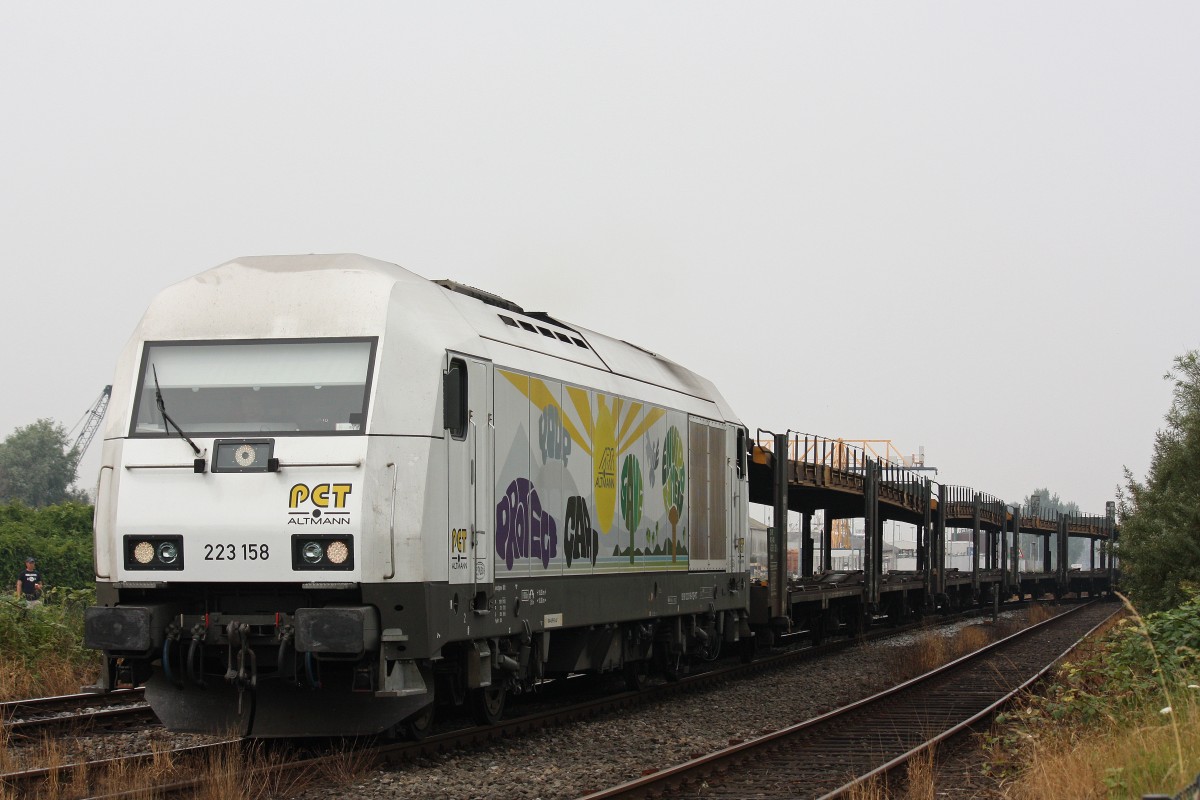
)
(737, 520)
(467, 390)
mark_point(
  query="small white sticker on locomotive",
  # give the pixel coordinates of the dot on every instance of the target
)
(552, 621)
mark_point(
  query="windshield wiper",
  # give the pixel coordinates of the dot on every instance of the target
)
(162, 409)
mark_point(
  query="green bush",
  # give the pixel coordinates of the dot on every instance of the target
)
(47, 633)
(1124, 672)
(58, 536)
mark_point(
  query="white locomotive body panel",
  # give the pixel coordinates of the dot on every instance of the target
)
(238, 527)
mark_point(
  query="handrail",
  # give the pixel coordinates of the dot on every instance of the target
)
(392, 526)
(103, 540)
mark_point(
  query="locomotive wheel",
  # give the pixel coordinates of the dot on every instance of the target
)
(417, 726)
(672, 665)
(487, 704)
(636, 675)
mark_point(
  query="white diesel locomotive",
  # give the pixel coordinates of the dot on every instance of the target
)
(334, 494)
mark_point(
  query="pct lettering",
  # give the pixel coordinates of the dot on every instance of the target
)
(320, 494)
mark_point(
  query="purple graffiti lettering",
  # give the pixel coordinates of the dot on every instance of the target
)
(523, 527)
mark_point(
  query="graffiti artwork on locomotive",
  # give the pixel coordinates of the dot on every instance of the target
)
(334, 493)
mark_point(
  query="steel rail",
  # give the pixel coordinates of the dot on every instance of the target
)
(982, 714)
(18, 708)
(828, 729)
(76, 723)
(40, 716)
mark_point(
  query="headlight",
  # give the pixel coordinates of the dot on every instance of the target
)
(313, 553)
(322, 551)
(168, 552)
(153, 552)
(143, 552)
(337, 552)
(244, 455)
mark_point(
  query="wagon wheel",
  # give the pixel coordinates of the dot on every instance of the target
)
(487, 704)
(671, 664)
(417, 726)
(746, 649)
(711, 650)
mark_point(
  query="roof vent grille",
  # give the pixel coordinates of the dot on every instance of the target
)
(480, 294)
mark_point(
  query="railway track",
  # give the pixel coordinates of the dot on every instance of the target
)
(74, 714)
(449, 736)
(827, 756)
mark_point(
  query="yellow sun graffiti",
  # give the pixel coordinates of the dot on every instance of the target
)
(604, 435)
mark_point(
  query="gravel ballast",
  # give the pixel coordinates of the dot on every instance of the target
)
(574, 760)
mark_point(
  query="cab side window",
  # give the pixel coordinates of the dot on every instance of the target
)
(454, 399)
(741, 452)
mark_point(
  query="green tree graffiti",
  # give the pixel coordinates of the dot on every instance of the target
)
(631, 497)
(673, 483)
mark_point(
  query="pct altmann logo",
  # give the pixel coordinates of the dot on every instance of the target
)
(320, 504)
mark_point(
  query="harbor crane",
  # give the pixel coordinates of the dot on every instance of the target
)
(91, 423)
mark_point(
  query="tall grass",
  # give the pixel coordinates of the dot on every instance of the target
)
(916, 783)
(1038, 612)
(41, 647)
(932, 649)
(235, 770)
(1131, 759)
(921, 778)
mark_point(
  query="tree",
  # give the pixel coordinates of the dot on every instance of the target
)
(36, 468)
(1160, 519)
(1050, 506)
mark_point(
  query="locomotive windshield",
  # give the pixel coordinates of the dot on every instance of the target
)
(259, 387)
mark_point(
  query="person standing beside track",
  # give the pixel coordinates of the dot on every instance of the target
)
(29, 583)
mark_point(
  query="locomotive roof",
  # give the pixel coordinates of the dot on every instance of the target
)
(501, 320)
(351, 295)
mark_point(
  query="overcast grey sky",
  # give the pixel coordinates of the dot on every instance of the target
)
(965, 226)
